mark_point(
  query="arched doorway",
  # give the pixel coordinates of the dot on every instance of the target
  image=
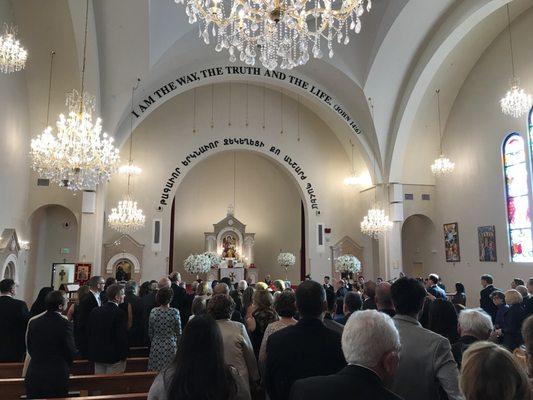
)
(417, 249)
(264, 197)
(54, 238)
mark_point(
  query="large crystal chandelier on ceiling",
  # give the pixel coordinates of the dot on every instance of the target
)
(516, 102)
(127, 217)
(80, 156)
(376, 223)
(12, 55)
(442, 165)
(279, 32)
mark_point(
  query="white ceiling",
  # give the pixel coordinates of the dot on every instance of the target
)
(405, 49)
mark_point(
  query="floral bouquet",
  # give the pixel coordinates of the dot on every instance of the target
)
(347, 263)
(197, 264)
(286, 260)
(214, 258)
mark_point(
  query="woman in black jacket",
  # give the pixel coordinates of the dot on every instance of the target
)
(512, 337)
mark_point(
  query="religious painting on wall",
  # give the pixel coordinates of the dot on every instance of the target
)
(123, 269)
(230, 243)
(62, 274)
(451, 242)
(82, 274)
(487, 243)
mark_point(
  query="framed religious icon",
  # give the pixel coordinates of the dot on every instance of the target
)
(487, 243)
(62, 274)
(82, 273)
(451, 242)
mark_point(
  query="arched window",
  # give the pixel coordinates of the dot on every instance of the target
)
(517, 198)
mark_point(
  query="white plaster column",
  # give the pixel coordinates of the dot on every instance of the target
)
(91, 230)
(390, 245)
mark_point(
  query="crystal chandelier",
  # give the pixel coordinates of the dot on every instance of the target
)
(126, 217)
(376, 223)
(12, 55)
(442, 165)
(516, 102)
(279, 32)
(80, 156)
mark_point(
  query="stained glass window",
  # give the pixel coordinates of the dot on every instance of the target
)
(517, 195)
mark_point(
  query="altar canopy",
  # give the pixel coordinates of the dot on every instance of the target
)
(230, 240)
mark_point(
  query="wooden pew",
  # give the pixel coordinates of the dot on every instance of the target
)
(86, 385)
(139, 352)
(79, 367)
(128, 396)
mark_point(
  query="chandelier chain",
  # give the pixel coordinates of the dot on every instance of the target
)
(84, 53)
(510, 41)
(438, 116)
(52, 54)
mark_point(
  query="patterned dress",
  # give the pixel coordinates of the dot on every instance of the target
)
(164, 331)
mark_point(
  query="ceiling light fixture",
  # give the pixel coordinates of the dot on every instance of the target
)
(442, 165)
(280, 33)
(80, 156)
(516, 102)
(12, 55)
(127, 217)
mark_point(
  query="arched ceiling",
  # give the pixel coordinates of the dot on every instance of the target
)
(399, 56)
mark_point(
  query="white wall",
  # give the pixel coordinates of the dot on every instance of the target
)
(14, 142)
(267, 202)
(166, 137)
(474, 195)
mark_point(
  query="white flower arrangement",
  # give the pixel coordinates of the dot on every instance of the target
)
(214, 258)
(347, 263)
(286, 259)
(197, 264)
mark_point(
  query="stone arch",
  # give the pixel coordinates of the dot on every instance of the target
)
(10, 268)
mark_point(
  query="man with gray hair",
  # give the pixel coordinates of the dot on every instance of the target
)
(242, 286)
(371, 344)
(474, 325)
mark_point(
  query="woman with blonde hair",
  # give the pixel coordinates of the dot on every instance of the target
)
(279, 285)
(489, 372)
(204, 290)
(512, 320)
(262, 314)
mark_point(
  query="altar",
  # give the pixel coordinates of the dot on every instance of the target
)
(234, 245)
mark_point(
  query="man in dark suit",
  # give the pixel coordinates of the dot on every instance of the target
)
(222, 288)
(331, 300)
(485, 301)
(51, 348)
(108, 334)
(371, 346)
(90, 301)
(352, 303)
(180, 295)
(14, 317)
(305, 349)
(327, 285)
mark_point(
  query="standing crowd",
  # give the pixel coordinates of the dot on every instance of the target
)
(408, 339)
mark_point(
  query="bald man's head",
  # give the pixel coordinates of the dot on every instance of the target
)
(163, 283)
(383, 296)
